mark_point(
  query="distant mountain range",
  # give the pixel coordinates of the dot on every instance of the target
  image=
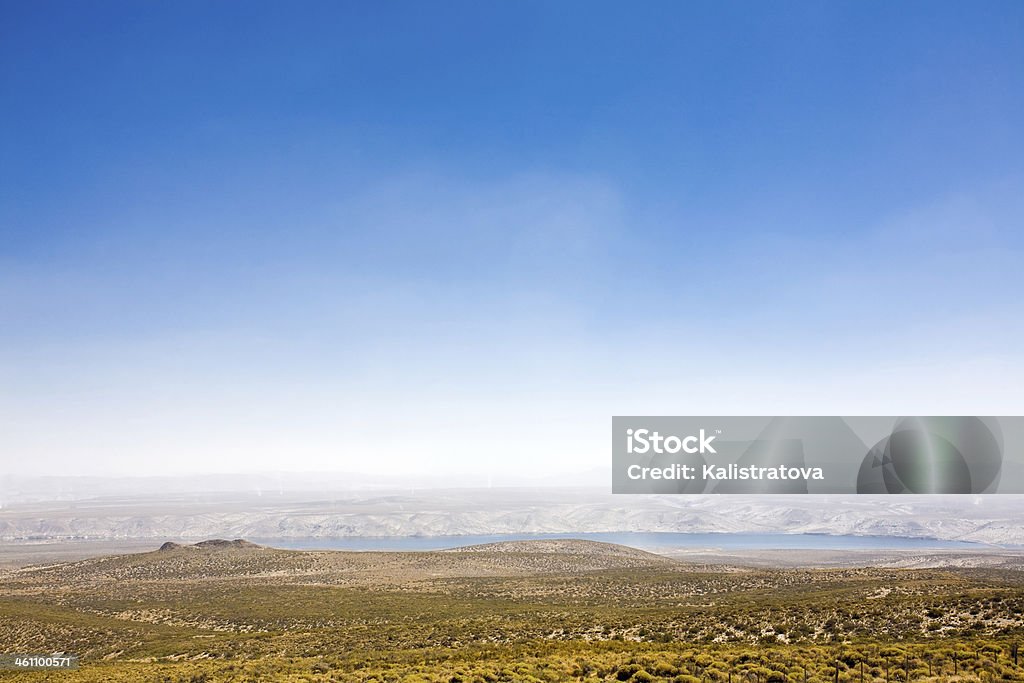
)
(993, 519)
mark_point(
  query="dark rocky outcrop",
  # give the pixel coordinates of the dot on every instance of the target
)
(212, 544)
(220, 543)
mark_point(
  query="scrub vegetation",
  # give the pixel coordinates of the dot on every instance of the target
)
(526, 611)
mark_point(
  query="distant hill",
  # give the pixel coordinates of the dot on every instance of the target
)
(562, 546)
(212, 544)
(222, 558)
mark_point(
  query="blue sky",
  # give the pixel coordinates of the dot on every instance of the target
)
(459, 236)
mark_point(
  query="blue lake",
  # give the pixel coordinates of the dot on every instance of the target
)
(644, 541)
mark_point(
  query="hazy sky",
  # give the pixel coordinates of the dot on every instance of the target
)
(462, 235)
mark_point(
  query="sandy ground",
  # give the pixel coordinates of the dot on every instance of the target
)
(21, 554)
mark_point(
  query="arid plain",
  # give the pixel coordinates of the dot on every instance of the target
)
(559, 610)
